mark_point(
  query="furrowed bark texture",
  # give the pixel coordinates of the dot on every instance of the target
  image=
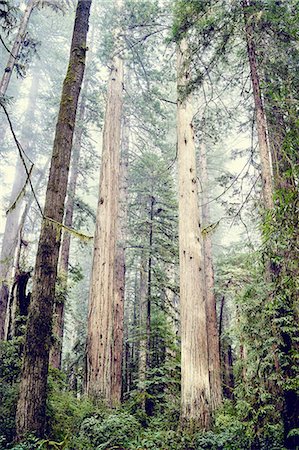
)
(56, 350)
(195, 388)
(212, 327)
(261, 123)
(11, 231)
(16, 48)
(100, 338)
(31, 406)
(120, 269)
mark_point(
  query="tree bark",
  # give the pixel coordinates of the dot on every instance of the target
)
(261, 123)
(31, 407)
(195, 387)
(16, 48)
(56, 350)
(120, 269)
(212, 327)
(100, 337)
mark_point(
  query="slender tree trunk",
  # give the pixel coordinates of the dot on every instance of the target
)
(120, 269)
(228, 374)
(16, 48)
(142, 320)
(195, 387)
(30, 416)
(56, 350)
(261, 124)
(212, 327)
(100, 337)
(149, 285)
(11, 231)
(149, 403)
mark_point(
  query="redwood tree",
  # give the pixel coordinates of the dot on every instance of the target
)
(30, 416)
(101, 379)
(195, 388)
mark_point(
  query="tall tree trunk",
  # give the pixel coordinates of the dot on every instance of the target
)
(10, 236)
(149, 403)
(16, 48)
(212, 327)
(195, 387)
(261, 124)
(30, 416)
(100, 337)
(120, 268)
(142, 319)
(56, 350)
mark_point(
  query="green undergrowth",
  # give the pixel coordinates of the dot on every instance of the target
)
(102, 429)
(76, 424)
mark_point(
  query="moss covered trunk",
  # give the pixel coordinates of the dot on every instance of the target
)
(56, 350)
(31, 406)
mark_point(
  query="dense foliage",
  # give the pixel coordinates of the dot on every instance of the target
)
(255, 249)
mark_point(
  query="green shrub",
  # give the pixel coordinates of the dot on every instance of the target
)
(65, 411)
(117, 429)
(10, 367)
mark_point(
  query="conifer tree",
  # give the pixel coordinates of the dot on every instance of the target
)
(30, 416)
(195, 388)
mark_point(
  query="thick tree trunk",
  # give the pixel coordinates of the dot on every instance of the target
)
(56, 350)
(11, 231)
(120, 269)
(31, 406)
(261, 124)
(16, 48)
(100, 337)
(212, 327)
(195, 387)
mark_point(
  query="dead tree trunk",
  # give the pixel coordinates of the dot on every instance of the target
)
(30, 416)
(10, 236)
(195, 385)
(16, 48)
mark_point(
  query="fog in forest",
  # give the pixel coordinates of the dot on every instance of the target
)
(149, 224)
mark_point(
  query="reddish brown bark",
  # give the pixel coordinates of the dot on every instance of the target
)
(120, 269)
(261, 123)
(100, 340)
(212, 327)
